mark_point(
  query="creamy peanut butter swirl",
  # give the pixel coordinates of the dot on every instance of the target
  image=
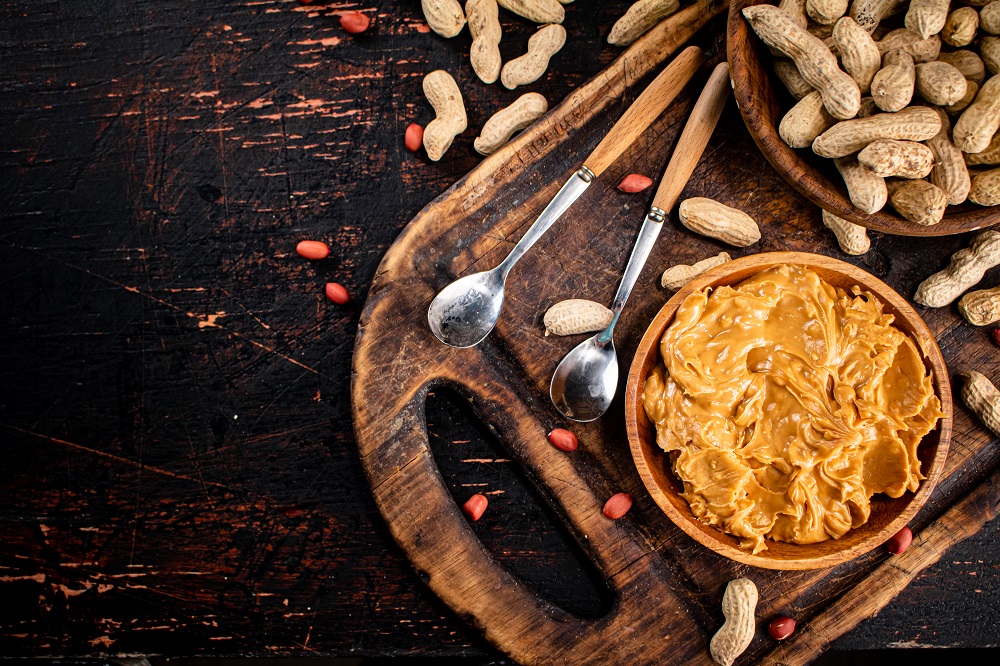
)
(786, 403)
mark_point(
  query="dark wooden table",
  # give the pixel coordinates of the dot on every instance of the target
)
(179, 472)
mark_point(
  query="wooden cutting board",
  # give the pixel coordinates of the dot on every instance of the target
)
(667, 587)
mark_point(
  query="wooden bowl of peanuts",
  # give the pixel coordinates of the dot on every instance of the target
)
(658, 469)
(895, 150)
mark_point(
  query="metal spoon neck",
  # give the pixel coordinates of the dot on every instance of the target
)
(607, 335)
(570, 192)
(640, 252)
(503, 268)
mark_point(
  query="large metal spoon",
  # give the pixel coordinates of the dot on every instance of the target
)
(586, 380)
(464, 312)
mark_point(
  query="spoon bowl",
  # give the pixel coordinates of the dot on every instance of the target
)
(586, 380)
(464, 312)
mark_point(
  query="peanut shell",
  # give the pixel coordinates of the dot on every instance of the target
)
(981, 396)
(638, 20)
(902, 159)
(940, 83)
(985, 189)
(916, 123)
(980, 121)
(981, 307)
(529, 68)
(815, 62)
(539, 11)
(950, 172)
(501, 126)
(679, 275)
(711, 218)
(966, 269)
(852, 238)
(575, 316)
(805, 121)
(867, 191)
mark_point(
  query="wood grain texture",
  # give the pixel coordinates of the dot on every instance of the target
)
(763, 104)
(888, 515)
(469, 229)
(960, 522)
(180, 475)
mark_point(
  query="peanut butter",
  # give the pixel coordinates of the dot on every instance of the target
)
(786, 403)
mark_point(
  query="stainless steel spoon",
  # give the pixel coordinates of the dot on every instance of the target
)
(586, 380)
(464, 312)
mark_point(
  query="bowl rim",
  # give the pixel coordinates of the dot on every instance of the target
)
(809, 181)
(712, 537)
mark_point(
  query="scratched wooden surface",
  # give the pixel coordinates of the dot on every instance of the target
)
(179, 471)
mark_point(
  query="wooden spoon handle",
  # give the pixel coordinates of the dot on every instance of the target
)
(645, 109)
(691, 144)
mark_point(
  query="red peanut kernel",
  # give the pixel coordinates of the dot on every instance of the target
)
(313, 250)
(634, 182)
(996, 335)
(563, 439)
(781, 627)
(354, 22)
(617, 506)
(900, 541)
(414, 137)
(475, 506)
(337, 293)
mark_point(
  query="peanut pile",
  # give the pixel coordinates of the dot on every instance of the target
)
(896, 93)
(447, 18)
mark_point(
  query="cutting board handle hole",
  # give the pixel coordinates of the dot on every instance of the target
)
(519, 528)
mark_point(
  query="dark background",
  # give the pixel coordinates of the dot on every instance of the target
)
(179, 475)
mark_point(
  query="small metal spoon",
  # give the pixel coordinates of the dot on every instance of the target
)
(586, 380)
(464, 312)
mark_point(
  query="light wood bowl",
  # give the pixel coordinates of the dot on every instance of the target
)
(763, 105)
(888, 515)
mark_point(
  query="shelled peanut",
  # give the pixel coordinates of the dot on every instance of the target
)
(922, 61)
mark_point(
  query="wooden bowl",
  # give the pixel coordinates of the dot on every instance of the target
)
(888, 515)
(763, 105)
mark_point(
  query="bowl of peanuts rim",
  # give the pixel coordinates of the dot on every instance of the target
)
(764, 102)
